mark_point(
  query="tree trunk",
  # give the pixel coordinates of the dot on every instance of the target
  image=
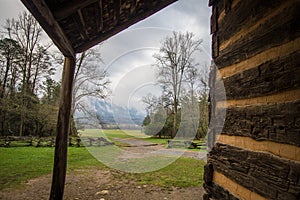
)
(5, 77)
(21, 129)
(72, 131)
(3, 118)
(175, 118)
(63, 123)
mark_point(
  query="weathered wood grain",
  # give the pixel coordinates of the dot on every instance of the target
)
(217, 3)
(217, 192)
(70, 7)
(245, 14)
(266, 174)
(63, 122)
(268, 78)
(256, 39)
(266, 36)
(215, 46)
(214, 21)
(112, 24)
(275, 122)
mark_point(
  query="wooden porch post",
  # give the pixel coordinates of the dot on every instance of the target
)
(61, 145)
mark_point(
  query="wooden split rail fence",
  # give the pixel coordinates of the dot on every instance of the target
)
(15, 141)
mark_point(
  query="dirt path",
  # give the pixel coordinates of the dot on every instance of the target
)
(92, 183)
(98, 184)
(143, 147)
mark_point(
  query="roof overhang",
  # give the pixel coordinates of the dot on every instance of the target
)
(76, 25)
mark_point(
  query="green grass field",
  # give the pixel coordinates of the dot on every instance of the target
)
(184, 172)
(111, 134)
(19, 164)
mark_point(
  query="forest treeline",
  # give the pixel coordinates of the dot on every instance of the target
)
(28, 93)
(29, 90)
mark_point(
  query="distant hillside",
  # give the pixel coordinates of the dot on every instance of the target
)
(115, 114)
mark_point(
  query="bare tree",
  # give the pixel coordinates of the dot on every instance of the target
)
(90, 81)
(191, 78)
(151, 103)
(27, 32)
(173, 61)
(32, 63)
(42, 66)
(10, 53)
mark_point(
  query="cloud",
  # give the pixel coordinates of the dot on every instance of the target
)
(10, 9)
(133, 48)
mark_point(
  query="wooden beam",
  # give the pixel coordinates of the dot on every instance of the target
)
(43, 15)
(148, 4)
(133, 7)
(99, 19)
(63, 122)
(117, 9)
(80, 24)
(65, 10)
(101, 37)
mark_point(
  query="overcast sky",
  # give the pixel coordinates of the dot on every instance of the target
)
(128, 56)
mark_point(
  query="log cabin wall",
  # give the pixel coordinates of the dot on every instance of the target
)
(256, 47)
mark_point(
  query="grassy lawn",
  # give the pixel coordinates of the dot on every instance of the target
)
(111, 133)
(184, 172)
(19, 164)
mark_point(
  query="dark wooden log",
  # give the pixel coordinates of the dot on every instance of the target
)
(208, 174)
(267, 175)
(214, 21)
(69, 8)
(99, 18)
(100, 37)
(275, 122)
(227, 4)
(117, 10)
(215, 45)
(263, 173)
(217, 192)
(63, 122)
(245, 14)
(281, 29)
(217, 3)
(268, 78)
